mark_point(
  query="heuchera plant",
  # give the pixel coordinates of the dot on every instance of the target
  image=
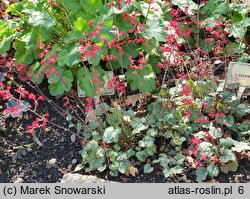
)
(166, 51)
(64, 40)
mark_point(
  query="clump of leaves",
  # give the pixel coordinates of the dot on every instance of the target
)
(203, 119)
(66, 41)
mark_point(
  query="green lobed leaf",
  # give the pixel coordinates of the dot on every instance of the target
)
(227, 155)
(147, 168)
(154, 29)
(74, 6)
(141, 156)
(213, 170)
(143, 79)
(186, 5)
(123, 25)
(167, 172)
(123, 166)
(233, 166)
(114, 118)
(43, 19)
(163, 160)
(111, 135)
(201, 174)
(23, 55)
(152, 132)
(5, 44)
(242, 109)
(226, 142)
(179, 158)
(147, 141)
(69, 117)
(138, 125)
(215, 132)
(65, 83)
(81, 24)
(240, 146)
(85, 76)
(123, 59)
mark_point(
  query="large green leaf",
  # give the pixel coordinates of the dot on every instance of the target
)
(226, 142)
(85, 8)
(227, 155)
(143, 79)
(155, 29)
(147, 168)
(215, 132)
(186, 5)
(74, 6)
(147, 141)
(85, 77)
(213, 170)
(240, 146)
(92, 5)
(123, 166)
(138, 126)
(242, 109)
(69, 56)
(115, 118)
(81, 24)
(122, 60)
(201, 174)
(111, 135)
(5, 44)
(23, 54)
(97, 58)
(123, 25)
(43, 19)
(59, 87)
(238, 30)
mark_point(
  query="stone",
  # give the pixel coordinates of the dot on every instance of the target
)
(73, 138)
(74, 161)
(78, 178)
(19, 180)
(14, 157)
(52, 162)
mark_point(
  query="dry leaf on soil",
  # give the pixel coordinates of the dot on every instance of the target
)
(131, 170)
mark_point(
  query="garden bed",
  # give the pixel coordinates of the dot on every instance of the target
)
(153, 106)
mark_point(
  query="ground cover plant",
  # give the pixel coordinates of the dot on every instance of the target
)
(161, 105)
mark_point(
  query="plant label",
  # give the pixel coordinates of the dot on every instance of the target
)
(239, 73)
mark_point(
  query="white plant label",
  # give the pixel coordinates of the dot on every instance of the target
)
(239, 73)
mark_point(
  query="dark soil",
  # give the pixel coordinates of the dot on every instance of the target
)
(22, 159)
(32, 163)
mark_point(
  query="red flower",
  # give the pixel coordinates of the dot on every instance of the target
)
(187, 113)
(204, 156)
(90, 22)
(41, 98)
(52, 2)
(32, 96)
(209, 29)
(197, 164)
(174, 12)
(196, 141)
(215, 159)
(30, 130)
